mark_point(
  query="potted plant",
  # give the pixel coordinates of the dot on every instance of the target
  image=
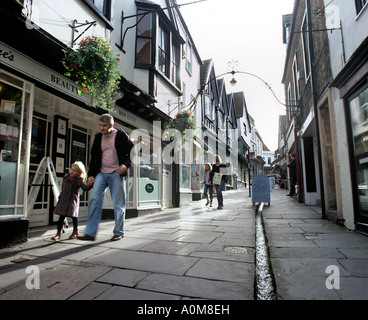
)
(94, 67)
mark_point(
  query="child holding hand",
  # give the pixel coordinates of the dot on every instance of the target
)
(208, 187)
(68, 203)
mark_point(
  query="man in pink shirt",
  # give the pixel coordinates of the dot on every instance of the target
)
(110, 160)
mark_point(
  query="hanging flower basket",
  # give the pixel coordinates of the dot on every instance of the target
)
(183, 121)
(94, 67)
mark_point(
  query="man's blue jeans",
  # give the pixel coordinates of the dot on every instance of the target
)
(117, 186)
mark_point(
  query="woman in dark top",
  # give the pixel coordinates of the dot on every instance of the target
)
(216, 168)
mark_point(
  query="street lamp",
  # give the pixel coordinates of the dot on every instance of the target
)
(233, 81)
(233, 64)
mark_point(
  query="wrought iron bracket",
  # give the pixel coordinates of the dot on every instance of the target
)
(77, 25)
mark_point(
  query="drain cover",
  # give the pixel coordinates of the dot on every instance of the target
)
(20, 260)
(236, 250)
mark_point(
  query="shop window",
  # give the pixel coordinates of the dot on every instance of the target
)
(40, 133)
(40, 148)
(149, 180)
(359, 126)
(15, 103)
(359, 120)
(185, 176)
(185, 173)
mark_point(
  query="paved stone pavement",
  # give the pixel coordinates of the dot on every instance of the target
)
(193, 252)
(306, 251)
(175, 254)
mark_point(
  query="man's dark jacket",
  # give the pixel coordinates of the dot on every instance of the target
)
(123, 145)
(292, 166)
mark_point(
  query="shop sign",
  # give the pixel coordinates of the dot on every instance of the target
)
(132, 119)
(25, 65)
(149, 188)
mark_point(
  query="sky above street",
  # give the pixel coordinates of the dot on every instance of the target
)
(249, 32)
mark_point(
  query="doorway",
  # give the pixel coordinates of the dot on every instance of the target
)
(78, 150)
(331, 196)
(40, 147)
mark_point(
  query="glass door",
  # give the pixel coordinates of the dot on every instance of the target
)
(40, 148)
(79, 148)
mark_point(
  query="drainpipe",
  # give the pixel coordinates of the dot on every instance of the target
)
(315, 102)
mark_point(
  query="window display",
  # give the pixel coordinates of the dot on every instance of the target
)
(14, 103)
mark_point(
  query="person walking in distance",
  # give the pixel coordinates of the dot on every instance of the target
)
(110, 160)
(292, 167)
(216, 167)
(208, 186)
(68, 202)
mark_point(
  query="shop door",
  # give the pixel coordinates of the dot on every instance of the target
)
(40, 147)
(359, 123)
(79, 151)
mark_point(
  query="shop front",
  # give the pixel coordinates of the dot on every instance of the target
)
(48, 118)
(352, 83)
(62, 131)
(42, 115)
(358, 109)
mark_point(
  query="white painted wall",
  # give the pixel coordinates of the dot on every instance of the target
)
(354, 30)
(55, 17)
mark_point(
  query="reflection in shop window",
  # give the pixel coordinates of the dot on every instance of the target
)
(14, 108)
(359, 120)
(149, 181)
(40, 148)
(40, 131)
(184, 171)
(362, 177)
(185, 176)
